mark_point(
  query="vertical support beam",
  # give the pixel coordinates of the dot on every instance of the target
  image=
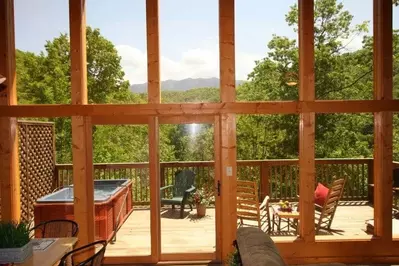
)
(227, 126)
(264, 180)
(9, 168)
(154, 96)
(153, 62)
(383, 165)
(218, 169)
(155, 201)
(307, 121)
(82, 153)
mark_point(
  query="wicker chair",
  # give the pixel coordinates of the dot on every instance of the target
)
(93, 260)
(56, 228)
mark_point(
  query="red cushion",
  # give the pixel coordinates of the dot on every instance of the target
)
(320, 194)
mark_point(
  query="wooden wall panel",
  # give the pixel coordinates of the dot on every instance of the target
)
(228, 163)
(383, 120)
(307, 168)
(9, 168)
(82, 148)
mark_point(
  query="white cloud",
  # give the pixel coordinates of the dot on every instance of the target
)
(353, 43)
(194, 63)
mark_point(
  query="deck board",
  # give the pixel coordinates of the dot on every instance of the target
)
(193, 235)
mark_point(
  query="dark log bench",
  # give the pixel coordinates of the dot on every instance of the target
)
(256, 248)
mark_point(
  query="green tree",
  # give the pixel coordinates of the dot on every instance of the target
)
(45, 79)
(339, 74)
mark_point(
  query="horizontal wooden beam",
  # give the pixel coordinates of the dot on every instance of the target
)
(344, 251)
(143, 120)
(188, 256)
(280, 107)
(123, 260)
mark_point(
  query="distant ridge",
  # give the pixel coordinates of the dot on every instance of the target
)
(182, 85)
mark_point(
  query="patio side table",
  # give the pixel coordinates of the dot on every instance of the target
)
(278, 215)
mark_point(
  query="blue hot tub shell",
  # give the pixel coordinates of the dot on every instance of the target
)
(103, 190)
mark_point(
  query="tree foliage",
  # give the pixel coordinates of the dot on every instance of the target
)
(340, 73)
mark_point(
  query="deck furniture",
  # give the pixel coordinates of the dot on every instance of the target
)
(93, 260)
(325, 214)
(181, 189)
(256, 248)
(291, 218)
(265, 215)
(56, 228)
(50, 254)
(247, 202)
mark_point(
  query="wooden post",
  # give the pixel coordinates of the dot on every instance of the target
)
(264, 180)
(82, 153)
(227, 126)
(10, 190)
(370, 180)
(307, 121)
(154, 96)
(153, 58)
(383, 65)
(218, 169)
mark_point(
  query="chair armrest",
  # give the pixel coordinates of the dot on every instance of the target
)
(318, 207)
(191, 189)
(188, 192)
(166, 187)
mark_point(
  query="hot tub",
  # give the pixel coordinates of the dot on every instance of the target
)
(110, 199)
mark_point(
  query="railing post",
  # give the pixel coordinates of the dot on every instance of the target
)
(56, 181)
(370, 180)
(162, 175)
(264, 180)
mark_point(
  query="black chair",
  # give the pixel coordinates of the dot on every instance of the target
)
(56, 228)
(93, 260)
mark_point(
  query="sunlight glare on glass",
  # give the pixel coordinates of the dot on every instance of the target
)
(193, 129)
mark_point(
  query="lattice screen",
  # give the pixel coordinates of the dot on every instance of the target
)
(36, 163)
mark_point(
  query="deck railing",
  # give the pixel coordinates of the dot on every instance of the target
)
(277, 178)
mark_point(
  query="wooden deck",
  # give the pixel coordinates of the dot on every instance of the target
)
(193, 235)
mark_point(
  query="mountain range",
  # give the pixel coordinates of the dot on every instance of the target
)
(182, 85)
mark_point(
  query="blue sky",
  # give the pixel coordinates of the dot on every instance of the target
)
(188, 31)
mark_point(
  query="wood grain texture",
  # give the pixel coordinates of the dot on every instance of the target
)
(77, 29)
(200, 109)
(153, 57)
(193, 235)
(154, 96)
(154, 188)
(9, 167)
(307, 170)
(82, 148)
(383, 130)
(217, 175)
(141, 120)
(227, 127)
(82, 159)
